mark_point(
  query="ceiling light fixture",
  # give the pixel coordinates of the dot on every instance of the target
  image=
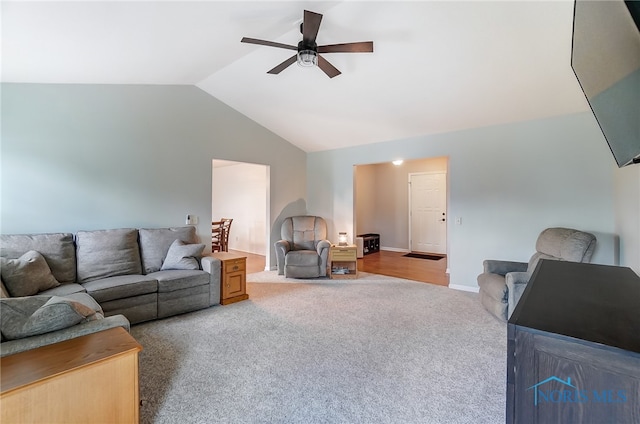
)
(397, 162)
(307, 58)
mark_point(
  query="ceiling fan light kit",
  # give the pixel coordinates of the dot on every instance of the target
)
(307, 58)
(307, 49)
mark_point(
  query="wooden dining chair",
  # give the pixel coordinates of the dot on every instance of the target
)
(217, 236)
(226, 225)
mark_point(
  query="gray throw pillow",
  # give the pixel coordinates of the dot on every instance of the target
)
(27, 275)
(88, 301)
(183, 256)
(32, 315)
(155, 243)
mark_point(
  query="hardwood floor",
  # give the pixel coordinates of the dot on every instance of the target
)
(255, 263)
(394, 264)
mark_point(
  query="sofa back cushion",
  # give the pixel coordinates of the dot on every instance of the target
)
(304, 232)
(155, 243)
(562, 244)
(566, 244)
(57, 249)
(107, 253)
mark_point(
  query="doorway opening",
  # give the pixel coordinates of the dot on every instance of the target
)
(383, 203)
(240, 191)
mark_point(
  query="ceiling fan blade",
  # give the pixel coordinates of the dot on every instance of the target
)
(360, 47)
(281, 67)
(267, 43)
(310, 27)
(327, 68)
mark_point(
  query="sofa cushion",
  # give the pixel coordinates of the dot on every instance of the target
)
(32, 315)
(107, 253)
(155, 243)
(57, 248)
(64, 290)
(173, 280)
(120, 287)
(27, 275)
(302, 258)
(183, 256)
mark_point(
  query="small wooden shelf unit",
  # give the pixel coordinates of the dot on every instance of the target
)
(233, 277)
(88, 379)
(343, 262)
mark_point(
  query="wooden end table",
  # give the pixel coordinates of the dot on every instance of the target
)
(343, 262)
(233, 277)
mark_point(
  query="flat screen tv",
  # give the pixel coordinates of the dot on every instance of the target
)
(605, 57)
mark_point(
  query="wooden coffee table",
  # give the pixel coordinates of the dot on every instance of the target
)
(89, 379)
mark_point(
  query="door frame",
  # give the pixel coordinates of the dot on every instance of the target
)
(446, 202)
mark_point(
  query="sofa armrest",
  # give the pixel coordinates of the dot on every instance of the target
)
(503, 267)
(282, 247)
(213, 266)
(516, 284)
(323, 247)
(323, 251)
(20, 345)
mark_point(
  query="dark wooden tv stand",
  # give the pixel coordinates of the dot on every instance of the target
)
(574, 346)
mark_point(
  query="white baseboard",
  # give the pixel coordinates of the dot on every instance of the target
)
(394, 249)
(464, 288)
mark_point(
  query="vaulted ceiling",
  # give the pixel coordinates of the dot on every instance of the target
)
(437, 66)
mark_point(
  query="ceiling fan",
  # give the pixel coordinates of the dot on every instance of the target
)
(307, 49)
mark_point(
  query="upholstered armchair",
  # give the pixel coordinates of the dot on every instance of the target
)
(303, 250)
(503, 282)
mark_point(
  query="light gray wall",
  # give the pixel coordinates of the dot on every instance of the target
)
(627, 207)
(365, 203)
(506, 182)
(80, 157)
(382, 199)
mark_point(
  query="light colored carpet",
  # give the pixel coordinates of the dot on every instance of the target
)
(373, 350)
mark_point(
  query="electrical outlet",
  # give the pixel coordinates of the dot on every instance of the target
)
(459, 221)
(191, 219)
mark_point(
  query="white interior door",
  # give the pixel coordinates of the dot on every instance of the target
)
(428, 212)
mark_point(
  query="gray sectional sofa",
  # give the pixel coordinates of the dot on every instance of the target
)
(135, 275)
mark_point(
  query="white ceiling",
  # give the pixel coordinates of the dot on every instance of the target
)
(437, 66)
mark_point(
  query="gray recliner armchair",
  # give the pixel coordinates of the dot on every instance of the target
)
(303, 251)
(503, 282)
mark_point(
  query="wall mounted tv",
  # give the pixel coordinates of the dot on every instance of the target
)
(605, 57)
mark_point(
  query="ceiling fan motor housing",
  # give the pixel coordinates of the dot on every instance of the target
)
(303, 46)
